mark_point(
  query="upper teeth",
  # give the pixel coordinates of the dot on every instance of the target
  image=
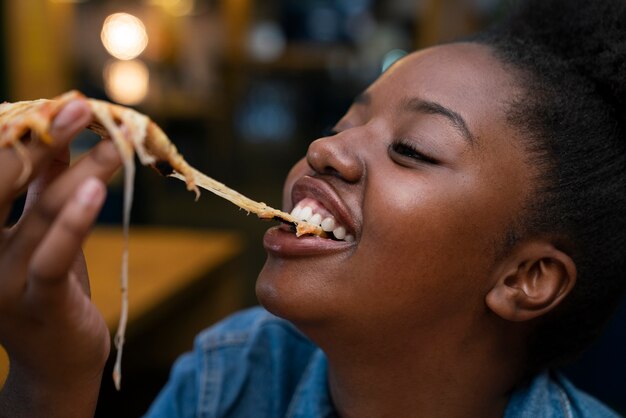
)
(328, 223)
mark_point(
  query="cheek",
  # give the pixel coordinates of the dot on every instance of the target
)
(427, 241)
(300, 169)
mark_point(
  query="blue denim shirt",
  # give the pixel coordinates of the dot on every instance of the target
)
(254, 364)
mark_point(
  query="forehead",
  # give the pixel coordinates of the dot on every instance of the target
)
(464, 77)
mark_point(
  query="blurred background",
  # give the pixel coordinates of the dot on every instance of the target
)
(242, 88)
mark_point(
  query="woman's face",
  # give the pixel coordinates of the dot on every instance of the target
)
(426, 175)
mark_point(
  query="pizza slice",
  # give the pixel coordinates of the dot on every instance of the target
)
(132, 132)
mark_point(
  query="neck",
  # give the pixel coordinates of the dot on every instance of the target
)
(462, 378)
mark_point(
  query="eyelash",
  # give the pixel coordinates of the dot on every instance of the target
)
(401, 147)
(405, 148)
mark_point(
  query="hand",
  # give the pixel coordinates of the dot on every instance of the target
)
(56, 339)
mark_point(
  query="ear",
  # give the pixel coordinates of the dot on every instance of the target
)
(531, 281)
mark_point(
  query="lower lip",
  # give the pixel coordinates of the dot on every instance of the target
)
(284, 243)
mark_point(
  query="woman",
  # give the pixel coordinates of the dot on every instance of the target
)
(483, 186)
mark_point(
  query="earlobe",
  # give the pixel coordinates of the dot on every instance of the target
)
(531, 281)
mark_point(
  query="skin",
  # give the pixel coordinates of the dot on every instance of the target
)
(419, 301)
(416, 316)
(56, 339)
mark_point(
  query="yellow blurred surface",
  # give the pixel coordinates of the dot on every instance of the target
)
(162, 263)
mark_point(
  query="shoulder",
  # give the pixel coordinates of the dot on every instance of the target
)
(583, 404)
(249, 364)
(246, 327)
(551, 395)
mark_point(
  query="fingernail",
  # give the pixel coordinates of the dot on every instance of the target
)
(90, 193)
(67, 115)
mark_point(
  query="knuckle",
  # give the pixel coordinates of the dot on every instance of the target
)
(71, 226)
(41, 276)
(106, 154)
(46, 211)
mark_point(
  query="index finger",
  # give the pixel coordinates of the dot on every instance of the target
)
(73, 117)
(101, 162)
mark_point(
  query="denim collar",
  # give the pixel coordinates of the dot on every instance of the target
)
(545, 396)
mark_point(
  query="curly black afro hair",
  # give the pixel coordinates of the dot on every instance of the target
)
(570, 59)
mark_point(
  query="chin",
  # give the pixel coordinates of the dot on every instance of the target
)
(290, 297)
(276, 294)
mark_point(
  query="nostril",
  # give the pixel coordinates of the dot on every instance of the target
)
(331, 171)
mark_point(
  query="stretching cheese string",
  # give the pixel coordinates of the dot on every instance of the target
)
(129, 178)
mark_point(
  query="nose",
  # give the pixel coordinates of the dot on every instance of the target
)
(335, 156)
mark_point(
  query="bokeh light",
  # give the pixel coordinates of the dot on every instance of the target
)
(124, 36)
(126, 82)
(323, 24)
(266, 41)
(178, 7)
(391, 57)
(267, 114)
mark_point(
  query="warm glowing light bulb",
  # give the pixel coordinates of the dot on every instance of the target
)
(126, 82)
(124, 36)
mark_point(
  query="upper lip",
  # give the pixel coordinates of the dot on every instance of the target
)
(324, 193)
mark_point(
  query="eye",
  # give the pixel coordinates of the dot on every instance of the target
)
(405, 149)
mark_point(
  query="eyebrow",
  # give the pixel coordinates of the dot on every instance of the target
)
(415, 104)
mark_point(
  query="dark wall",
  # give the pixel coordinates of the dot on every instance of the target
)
(3, 57)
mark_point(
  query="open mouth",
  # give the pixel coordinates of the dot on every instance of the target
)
(317, 204)
(313, 212)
